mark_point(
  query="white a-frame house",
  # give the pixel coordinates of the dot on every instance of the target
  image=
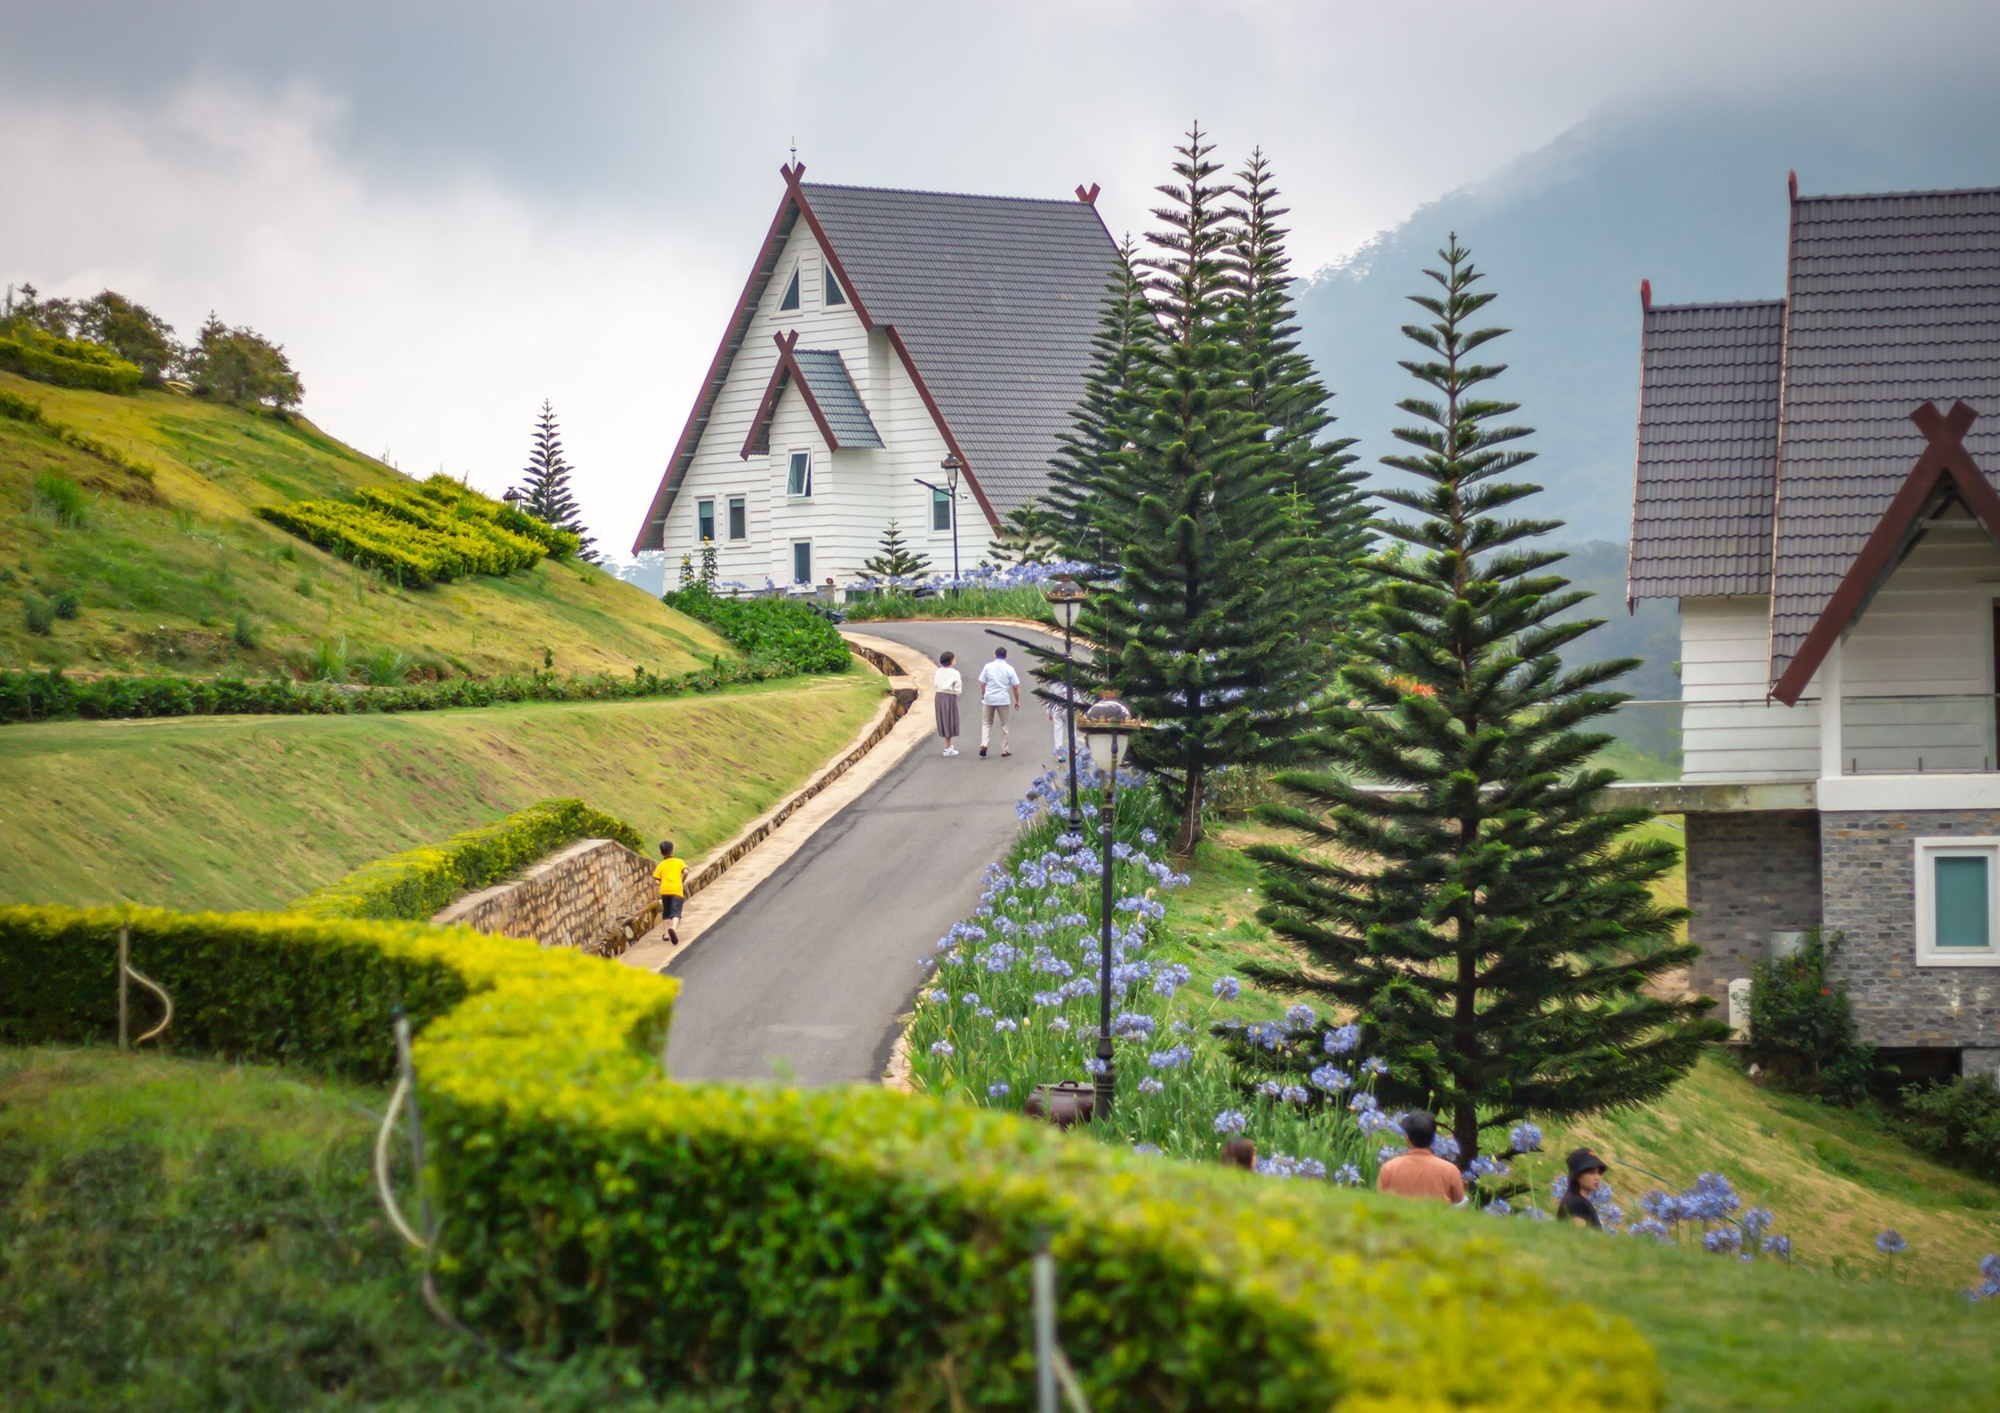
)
(880, 332)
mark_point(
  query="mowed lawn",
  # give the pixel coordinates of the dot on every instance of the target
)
(249, 812)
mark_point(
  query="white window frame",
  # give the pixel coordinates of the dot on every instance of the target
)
(945, 499)
(1929, 954)
(791, 462)
(785, 290)
(830, 285)
(811, 568)
(729, 524)
(709, 538)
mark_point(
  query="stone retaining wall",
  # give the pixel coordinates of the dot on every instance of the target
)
(596, 896)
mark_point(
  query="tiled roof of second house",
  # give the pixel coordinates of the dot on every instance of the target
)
(1708, 449)
(996, 298)
(1894, 300)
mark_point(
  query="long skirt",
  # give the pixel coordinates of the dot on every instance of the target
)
(947, 714)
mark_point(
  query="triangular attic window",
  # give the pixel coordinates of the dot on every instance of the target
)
(834, 294)
(791, 299)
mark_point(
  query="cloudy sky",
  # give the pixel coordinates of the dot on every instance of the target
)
(448, 212)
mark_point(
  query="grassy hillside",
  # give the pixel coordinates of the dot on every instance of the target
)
(247, 812)
(170, 555)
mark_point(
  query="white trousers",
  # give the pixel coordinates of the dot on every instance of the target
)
(989, 715)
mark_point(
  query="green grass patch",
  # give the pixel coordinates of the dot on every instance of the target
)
(1025, 601)
(185, 1234)
(246, 812)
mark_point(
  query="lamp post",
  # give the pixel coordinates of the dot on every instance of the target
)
(951, 466)
(512, 496)
(1066, 597)
(1106, 726)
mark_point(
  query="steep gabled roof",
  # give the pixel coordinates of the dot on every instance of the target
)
(830, 396)
(1892, 301)
(990, 303)
(1708, 449)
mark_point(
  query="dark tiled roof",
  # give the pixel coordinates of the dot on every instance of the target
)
(835, 393)
(996, 299)
(1708, 449)
(1894, 300)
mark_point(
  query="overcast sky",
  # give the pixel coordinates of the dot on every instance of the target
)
(449, 212)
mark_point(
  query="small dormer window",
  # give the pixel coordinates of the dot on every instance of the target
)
(791, 299)
(834, 293)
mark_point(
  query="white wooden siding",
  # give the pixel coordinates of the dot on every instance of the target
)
(855, 491)
(1917, 670)
(1729, 731)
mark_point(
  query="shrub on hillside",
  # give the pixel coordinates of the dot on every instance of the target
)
(70, 363)
(782, 628)
(56, 497)
(416, 884)
(39, 614)
(1802, 1025)
(240, 365)
(1958, 1120)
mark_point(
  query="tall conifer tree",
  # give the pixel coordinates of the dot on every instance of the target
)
(1492, 927)
(1071, 514)
(1285, 392)
(545, 492)
(1201, 633)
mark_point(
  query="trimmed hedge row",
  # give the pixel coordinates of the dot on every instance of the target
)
(50, 696)
(836, 1249)
(70, 363)
(412, 553)
(416, 884)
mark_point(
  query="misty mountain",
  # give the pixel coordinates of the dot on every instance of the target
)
(1690, 193)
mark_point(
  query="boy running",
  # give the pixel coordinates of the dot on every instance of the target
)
(672, 899)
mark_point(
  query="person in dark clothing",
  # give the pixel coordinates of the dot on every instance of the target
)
(1239, 1153)
(1586, 1175)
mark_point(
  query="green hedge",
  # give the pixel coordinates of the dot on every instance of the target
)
(837, 1249)
(783, 627)
(51, 696)
(71, 363)
(416, 884)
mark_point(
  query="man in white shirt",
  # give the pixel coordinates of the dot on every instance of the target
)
(999, 699)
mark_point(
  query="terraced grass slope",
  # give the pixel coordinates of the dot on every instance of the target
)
(248, 812)
(170, 556)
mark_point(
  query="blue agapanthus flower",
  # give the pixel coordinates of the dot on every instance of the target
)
(1446, 1147)
(1499, 1207)
(1332, 1078)
(1227, 987)
(1150, 1085)
(1145, 1148)
(1341, 1039)
(1891, 1242)
(1269, 1088)
(998, 1091)
(1231, 1121)
(1300, 1018)
(1170, 1058)
(1778, 1246)
(1525, 1138)
(1006, 1025)
(1294, 1094)
(941, 1047)
(1347, 1175)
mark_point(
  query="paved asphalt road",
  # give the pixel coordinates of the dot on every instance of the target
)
(804, 979)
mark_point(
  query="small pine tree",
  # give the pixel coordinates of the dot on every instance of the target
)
(1071, 515)
(1489, 924)
(1201, 634)
(545, 492)
(896, 560)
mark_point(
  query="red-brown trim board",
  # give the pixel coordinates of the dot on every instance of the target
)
(759, 440)
(1944, 455)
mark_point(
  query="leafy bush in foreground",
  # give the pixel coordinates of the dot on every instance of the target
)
(846, 1248)
(1958, 1120)
(415, 884)
(1802, 1025)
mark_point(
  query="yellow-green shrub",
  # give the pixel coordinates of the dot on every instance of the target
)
(416, 539)
(73, 363)
(416, 884)
(841, 1248)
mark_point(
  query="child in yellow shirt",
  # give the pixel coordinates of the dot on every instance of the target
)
(672, 898)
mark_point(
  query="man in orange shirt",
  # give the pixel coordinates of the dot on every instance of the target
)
(1420, 1172)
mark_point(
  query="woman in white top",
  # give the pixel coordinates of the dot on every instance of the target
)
(948, 684)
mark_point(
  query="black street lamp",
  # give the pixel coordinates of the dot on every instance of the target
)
(1066, 597)
(1106, 726)
(951, 466)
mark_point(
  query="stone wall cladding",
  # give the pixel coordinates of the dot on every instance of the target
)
(1749, 874)
(1869, 860)
(596, 896)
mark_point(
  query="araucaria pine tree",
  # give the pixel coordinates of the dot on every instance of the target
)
(895, 559)
(1202, 633)
(1070, 515)
(1465, 892)
(1286, 394)
(545, 492)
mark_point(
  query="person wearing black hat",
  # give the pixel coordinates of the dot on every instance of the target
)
(1586, 1173)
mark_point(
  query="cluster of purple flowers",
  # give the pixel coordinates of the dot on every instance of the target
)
(1283, 1165)
(1989, 1280)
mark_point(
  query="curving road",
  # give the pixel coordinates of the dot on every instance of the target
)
(804, 978)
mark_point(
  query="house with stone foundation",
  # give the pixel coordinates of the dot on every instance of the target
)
(1816, 488)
